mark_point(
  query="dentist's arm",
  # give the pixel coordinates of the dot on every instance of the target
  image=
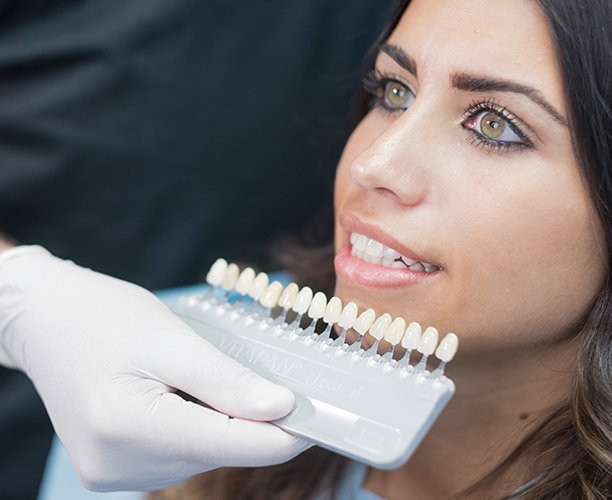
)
(106, 357)
(5, 242)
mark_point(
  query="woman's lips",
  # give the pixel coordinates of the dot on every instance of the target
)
(351, 268)
(352, 225)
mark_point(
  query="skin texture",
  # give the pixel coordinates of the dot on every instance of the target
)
(514, 231)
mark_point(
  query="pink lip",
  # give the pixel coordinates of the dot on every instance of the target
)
(351, 224)
(364, 273)
(373, 275)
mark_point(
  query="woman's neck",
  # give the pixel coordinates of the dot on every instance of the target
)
(498, 401)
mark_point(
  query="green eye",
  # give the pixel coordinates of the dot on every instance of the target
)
(491, 126)
(397, 95)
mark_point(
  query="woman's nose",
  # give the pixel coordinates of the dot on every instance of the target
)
(392, 165)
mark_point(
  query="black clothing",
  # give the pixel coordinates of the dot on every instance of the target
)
(144, 139)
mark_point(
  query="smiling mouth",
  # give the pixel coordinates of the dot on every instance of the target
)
(375, 252)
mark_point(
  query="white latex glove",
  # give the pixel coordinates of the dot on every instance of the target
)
(106, 356)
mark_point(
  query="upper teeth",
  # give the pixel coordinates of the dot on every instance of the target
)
(373, 251)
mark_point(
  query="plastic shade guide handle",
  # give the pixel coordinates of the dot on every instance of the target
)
(373, 411)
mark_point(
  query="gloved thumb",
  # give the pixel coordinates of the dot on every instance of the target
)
(194, 366)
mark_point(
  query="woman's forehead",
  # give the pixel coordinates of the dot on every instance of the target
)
(508, 40)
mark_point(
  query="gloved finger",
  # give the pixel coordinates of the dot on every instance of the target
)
(206, 439)
(156, 438)
(194, 366)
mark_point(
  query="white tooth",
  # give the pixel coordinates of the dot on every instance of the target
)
(411, 338)
(302, 301)
(364, 321)
(428, 342)
(287, 297)
(380, 326)
(244, 280)
(354, 237)
(361, 242)
(387, 262)
(217, 272)
(430, 268)
(348, 315)
(354, 251)
(333, 310)
(398, 265)
(417, 267)
(389, 253)
(395, 331)
(258, 286)
(447, 348)
(375, 260)
(317, 306)
(374, 248)
(231, 277)
(408, 261)
(271, 294)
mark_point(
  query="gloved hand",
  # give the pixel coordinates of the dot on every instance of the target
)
(106, 357)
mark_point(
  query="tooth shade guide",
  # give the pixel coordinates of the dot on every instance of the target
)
(445, 353)
(379, 326)
(376, 402)
(215, 275)
(285, 301)
(331, 316)
(332, 310)
(429, 341)
(447, 348)
(317, 306)
(288, 296)
(254, 340)
(303, 300)
(364, 321)
(244, 281)
(230, 278)
(395, 332)
(363, 332)
(412, 336)
(269, 297)
(348, 315)
(258, 286)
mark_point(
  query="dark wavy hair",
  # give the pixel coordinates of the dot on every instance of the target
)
(573, 439)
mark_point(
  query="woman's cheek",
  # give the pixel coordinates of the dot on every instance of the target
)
(343, 186)
(524, 281)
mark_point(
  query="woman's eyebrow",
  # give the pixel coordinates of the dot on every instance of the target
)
(474, 83)
(400, 57)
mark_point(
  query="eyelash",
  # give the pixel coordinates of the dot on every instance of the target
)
(375, 82)
(490, 145)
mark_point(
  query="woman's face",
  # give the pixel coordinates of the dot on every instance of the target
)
(465, 164)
